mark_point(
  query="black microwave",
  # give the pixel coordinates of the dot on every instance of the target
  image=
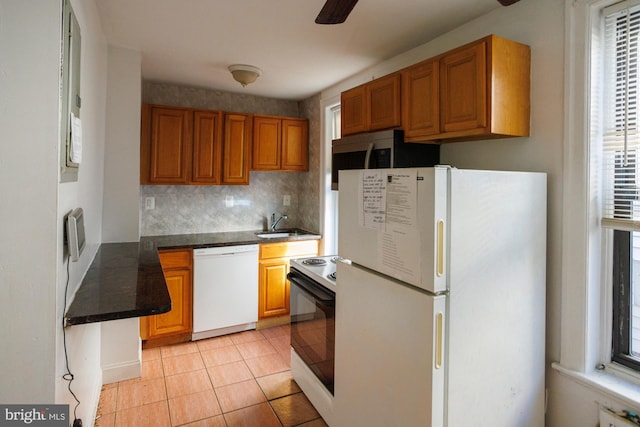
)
(379, 150)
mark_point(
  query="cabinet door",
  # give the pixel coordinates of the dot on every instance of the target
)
(179, 318)
(353, 111)
(167, 156)
(420, 98)
(267, 133)
(295, 145)
(207, 147)
(235, 149)
(273, 299)
(383, 102)
(463, 89)
(273, 286)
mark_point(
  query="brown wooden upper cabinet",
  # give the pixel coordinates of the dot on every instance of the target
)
(420, 97)
(352, 111)
(236, 149)
(189, 146)
(267, 145)
(165, 149)
(372, 106)
(280, 144)
(478, 91)
(207, 147)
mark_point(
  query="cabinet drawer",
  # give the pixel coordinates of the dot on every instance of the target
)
(288, 249)
(175, 258)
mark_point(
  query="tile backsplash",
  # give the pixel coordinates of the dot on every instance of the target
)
(188, 209)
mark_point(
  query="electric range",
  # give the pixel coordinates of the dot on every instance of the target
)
(321, 269)
(313, 300)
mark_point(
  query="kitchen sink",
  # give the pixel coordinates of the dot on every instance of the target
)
(273, 235)
(279, 234)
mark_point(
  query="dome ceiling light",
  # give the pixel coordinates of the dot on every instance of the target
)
(244, 74)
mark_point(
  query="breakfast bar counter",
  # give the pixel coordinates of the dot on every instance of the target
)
(123, 281)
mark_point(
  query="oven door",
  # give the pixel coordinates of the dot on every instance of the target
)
(313, 325)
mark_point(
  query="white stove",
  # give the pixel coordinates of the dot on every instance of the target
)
(321, 269)
(313, 299)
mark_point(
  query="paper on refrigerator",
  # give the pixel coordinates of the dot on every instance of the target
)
(399, 244)
(388, 203)
(372, 198)
(402, 197)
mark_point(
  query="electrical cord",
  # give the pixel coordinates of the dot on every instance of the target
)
(68, 376)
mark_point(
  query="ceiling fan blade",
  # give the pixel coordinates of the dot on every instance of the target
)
(335, 11)
(508, 2)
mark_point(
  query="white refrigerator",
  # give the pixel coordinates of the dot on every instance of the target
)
(440, 317)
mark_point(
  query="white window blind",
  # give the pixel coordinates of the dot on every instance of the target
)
(621, 124)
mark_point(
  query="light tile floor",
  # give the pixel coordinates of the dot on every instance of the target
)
(242, 379)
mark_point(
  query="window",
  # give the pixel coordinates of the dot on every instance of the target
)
(332, 131)
(620, 147)
(335, 122)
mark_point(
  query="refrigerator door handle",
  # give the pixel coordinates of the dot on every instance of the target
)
(440, 249)
(439, 341)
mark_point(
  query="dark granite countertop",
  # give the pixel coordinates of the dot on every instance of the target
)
(230, 238)
(125, 279)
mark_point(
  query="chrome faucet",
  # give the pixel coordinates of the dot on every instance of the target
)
(275, 222)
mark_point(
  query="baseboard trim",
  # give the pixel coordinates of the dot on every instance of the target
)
(121, 371)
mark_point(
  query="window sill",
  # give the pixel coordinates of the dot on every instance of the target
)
(605, 381)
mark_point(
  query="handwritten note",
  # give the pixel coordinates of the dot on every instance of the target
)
(372, 199)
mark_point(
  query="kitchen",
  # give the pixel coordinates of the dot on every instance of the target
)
(111, 169)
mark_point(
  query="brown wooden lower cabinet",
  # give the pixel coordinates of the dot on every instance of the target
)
(273, 266)
(177, 324)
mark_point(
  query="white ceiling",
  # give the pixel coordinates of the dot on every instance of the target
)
(192, 42)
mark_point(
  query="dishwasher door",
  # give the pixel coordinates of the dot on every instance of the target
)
(225, 290)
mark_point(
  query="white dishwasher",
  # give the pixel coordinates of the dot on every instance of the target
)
(225, 290)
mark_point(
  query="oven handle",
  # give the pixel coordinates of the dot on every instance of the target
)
(315, 291)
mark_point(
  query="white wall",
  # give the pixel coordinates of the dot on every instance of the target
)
(121, 350)
(120, 339)
(28, 189)
(83, 341)
(540, 24)
(120, 222)
(32, 269)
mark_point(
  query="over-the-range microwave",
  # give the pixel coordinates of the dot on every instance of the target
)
(379, 150)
